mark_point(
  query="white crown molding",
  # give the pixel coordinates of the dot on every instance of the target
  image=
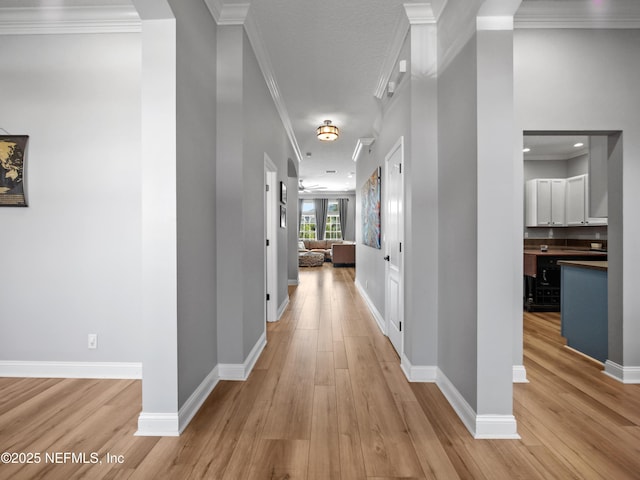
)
(574, 14)
(70, 20)
(215, 7)
(31, 369)
(494, 23)
(390, 59)
(233, 14)
(419, 13)
(264, 60)
(362, 142)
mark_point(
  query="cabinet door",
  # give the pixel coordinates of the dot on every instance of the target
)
(558, 193)
(576, 200)
(543, 194)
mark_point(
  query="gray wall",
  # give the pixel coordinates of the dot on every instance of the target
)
(196, 219)
(248, 127)
(457, 225)
(557, 71)
(72, 259)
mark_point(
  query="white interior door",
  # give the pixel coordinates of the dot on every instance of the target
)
(271, 220)
(394, 236)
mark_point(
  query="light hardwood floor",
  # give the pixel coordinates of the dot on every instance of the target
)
(327, 400)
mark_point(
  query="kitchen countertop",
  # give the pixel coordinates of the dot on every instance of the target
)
(559, 252)
(601, 265)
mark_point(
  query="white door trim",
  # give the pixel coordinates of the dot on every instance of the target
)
(271, 234)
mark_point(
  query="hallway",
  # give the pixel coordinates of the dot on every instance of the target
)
(327, 400)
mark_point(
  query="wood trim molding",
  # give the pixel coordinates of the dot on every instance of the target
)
(112, 370)
(197, 398)
(519, 374)
(622, 373)
(480, 426)
(241, 371)
(372, 308)
(158, 425)
(282, 308)
(70, 20)
(418, 373)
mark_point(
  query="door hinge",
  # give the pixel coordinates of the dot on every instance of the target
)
(267, 188)
(400, 326)
(400, 247)
(267, 242)
(400, 167)
(268, 297)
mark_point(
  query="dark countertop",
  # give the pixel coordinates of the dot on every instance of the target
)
(566, 252)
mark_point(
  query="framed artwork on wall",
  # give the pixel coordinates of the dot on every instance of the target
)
(283, 217)
(283, 193)
(13, 156)
(371, 197)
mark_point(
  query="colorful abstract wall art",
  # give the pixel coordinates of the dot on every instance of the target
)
(370, 194)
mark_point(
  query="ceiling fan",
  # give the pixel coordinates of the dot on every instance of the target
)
(309, 188)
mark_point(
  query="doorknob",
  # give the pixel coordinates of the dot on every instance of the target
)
(386, 257)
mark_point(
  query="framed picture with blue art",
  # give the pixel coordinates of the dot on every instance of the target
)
(371, 198)
(12, 170)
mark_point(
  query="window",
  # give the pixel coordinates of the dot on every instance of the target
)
(308, 221)
(332, 229)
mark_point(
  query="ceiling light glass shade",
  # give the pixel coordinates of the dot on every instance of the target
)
(327, 132)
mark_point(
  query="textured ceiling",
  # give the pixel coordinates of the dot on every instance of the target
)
(327, 57)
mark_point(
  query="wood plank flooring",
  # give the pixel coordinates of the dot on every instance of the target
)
(327, 400)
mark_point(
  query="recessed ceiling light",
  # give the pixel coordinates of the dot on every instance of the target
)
(579, 144)
(526, 149)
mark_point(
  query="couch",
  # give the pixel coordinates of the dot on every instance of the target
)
(321, 246)
(343, 254)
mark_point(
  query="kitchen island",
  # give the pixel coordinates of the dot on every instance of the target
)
(584, 307)
(542, 275)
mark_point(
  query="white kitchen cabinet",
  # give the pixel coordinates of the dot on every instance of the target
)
(545, 202)
(578, 202)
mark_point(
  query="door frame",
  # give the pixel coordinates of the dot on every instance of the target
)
(399, 145)
(270, 234)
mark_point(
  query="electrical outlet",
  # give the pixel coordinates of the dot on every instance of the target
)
(92, 341)
(366, 284)
(551, 233)
(597, 235)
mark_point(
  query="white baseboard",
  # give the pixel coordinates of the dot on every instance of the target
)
(158, 425)
(112, 370)
(519, 374)
(496, 427)
(241, 371)
(480, 426)
(293, 282)
(418, 373)
(622, 373)
(282, 308)
(197, 398)
(372, 308)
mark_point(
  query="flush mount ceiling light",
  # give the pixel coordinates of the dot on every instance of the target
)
(526, 149)
(579, 144)
(327, 132)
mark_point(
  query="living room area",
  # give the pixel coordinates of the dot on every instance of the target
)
(326, 229)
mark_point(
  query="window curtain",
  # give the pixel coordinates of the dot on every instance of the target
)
(321, 205)
(300, 203)
(343, 205)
